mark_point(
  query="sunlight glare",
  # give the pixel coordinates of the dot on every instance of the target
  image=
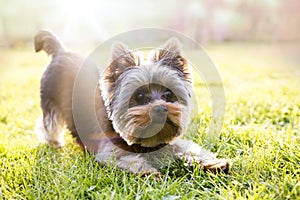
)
(81, 17)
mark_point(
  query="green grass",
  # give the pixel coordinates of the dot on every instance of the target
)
(261, 135)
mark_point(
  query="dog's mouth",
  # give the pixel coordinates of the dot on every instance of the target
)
(156, 121)
(159, 120)
(152, 124)
(157, 128)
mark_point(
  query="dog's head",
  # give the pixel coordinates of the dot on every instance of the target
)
(148, 104)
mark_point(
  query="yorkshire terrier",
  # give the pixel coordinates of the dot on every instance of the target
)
(142, 109)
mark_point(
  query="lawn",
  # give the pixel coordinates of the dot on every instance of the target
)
(261, 135)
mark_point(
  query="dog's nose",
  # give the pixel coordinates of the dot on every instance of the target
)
(160, 110)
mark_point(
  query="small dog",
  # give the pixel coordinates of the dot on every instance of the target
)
(142, 109)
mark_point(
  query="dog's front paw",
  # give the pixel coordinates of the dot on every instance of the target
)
(216, 165)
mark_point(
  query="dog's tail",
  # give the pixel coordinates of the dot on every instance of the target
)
(46, 41)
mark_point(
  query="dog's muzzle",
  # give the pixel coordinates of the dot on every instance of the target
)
(159, 114)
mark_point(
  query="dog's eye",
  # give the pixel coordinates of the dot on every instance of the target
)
(140, 96)
(167, 95)
(141, 99)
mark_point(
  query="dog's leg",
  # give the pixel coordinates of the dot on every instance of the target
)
(131, 162)
(192, 152)
(50, 129)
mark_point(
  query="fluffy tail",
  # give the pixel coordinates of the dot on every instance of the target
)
(46, 41)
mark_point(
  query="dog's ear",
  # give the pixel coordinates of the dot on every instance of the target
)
(169, 54)
(122, 59)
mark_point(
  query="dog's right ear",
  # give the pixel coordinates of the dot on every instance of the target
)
(122, 59)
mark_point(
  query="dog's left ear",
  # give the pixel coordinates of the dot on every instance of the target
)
(169, 54)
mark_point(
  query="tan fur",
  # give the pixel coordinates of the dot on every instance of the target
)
(170, 54)
(140, 115)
